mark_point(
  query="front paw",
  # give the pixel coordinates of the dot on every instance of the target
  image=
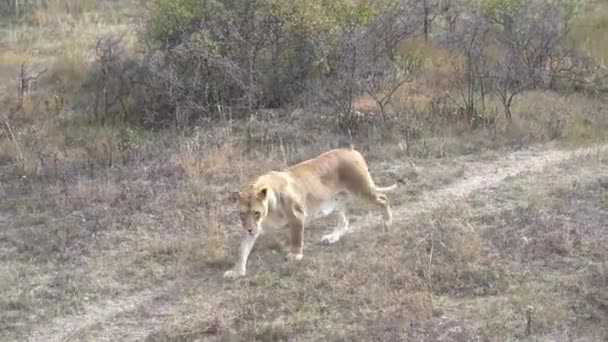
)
(233, 274)
(294, 256)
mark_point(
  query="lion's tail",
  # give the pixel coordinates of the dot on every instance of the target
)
(386, 188)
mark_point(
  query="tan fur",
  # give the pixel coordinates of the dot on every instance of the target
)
(302, 193)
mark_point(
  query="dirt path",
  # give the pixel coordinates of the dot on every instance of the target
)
(481, 175)
(111, 321)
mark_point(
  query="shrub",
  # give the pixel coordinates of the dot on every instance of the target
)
(242, 55)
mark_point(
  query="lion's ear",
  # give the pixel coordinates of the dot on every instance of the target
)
(262, 194)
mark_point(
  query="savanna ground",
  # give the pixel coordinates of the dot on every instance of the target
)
(117, 233)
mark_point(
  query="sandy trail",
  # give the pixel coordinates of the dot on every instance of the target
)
(481, 175)
(110, 320)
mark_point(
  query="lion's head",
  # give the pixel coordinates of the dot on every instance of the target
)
(253, 207)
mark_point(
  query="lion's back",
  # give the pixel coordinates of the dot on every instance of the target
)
(328, 172)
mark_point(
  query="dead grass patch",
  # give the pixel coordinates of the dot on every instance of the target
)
(106, 211)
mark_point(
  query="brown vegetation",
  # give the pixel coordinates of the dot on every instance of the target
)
(116, 161)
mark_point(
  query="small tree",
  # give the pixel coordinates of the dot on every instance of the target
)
(467, 43)
(427, 11)
(508, 79)
(112, 79)
(383, 82)
(534, 33)
(368, 60)
(530, 37)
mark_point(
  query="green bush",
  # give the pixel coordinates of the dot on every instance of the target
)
(242, 54)
(169, 21)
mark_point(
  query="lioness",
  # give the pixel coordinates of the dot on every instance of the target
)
(302, 193)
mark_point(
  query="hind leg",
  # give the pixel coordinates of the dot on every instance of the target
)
(381, 201)
(371, 195)
(340, 229)
(360, 182)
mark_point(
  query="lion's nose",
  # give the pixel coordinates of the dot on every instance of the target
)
(250, 230)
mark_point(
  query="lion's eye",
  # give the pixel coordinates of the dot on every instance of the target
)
(257, 215)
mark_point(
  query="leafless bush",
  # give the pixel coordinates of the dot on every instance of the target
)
(112, 80)
(163, 95)
(555, 126)
(225, 61)
(536, 32)
(506, 48)
(468, 45)
(426, 11)
(382, 83)
(368, 62)
(25, 81)
(396, 22)
(531, 38)
(341, 88)
(250, 56)
(154, 88)
(508, 78)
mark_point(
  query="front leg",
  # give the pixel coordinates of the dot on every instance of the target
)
(297, 240)
(240, 267)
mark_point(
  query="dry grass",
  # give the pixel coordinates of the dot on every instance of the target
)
(95, 214)
(463, 267)
(593, 21)
(548, 233)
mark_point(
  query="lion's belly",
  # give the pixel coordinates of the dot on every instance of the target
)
(274, 221)
(327, 207)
